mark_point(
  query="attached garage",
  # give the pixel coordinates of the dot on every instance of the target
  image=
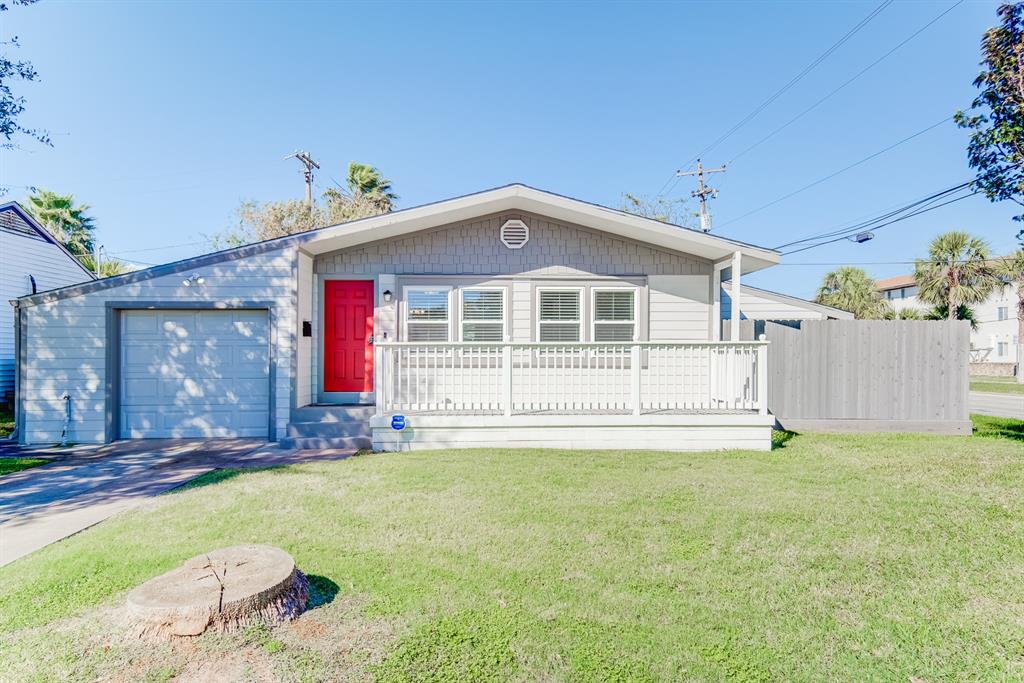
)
(194, 373)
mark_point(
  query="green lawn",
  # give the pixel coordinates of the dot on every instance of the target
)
(8, 465)
(832, 558)
(999, 385)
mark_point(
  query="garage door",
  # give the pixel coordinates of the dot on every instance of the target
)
(194, 374)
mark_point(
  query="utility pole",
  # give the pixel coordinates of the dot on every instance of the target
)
(308, 164)
(703, 192)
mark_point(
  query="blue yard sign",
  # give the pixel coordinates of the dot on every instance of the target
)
(398, 422)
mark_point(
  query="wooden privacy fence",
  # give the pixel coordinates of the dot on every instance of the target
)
(870, 375)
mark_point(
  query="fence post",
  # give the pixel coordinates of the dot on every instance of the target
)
(635, 363)
(506, 372)
(762, 377)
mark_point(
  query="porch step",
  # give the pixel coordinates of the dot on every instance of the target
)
(332, 413)
(315, 443)
(353, 428)
(329, 426)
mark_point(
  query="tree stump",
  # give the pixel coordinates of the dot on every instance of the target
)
(225, 590)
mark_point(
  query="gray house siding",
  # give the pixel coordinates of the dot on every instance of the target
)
(674, 288)
(473, 248)
(69, 343)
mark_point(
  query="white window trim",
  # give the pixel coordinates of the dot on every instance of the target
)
(504, 311)
(406, 289)
(579, 321)
(594, 322)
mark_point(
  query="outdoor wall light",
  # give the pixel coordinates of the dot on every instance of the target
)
(194, 279)
(387, 296)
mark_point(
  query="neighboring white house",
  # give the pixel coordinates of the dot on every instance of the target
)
(998, 335)
(510, 317)
(30, 261)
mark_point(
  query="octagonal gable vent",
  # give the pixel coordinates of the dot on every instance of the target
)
(515, 234)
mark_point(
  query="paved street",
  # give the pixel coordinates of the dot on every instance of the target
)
(1000, 405)
(84, 486)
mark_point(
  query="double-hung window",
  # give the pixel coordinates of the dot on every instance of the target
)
(1003, 313)
(559, 315)
(483, 315)
(614, 315)
(427, 314)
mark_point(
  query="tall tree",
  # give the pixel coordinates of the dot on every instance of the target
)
(65, 219)
(674, 211)
(107, 267)
(367, 182)
(366, 193)
(958, 272)
(852, 289)
(996, 147)
(12, 105)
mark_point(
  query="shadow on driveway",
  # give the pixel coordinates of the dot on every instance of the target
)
(84, 486)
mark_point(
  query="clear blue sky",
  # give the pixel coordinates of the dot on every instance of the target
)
(165, 116)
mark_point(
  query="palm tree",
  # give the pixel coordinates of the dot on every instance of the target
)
(963, 312)
(852, 289)
(1012, 269)
(958, 272)
(367, 182)
(108, 267)
(64, 219)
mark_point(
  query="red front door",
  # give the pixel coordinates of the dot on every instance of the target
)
(348, 327)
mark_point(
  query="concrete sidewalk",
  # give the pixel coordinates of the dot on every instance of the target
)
(999, 405)
(84, 486)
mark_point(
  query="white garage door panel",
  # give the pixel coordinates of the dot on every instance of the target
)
(194, 374)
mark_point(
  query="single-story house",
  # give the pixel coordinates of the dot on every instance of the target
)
(31, 261)
(510, 317)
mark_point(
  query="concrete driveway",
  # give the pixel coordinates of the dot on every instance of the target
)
(87, 485)
(999, 405)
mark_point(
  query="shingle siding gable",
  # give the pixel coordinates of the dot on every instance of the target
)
(475, 248)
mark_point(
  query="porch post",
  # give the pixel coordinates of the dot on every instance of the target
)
(506, 377)
(378, 377)
(635, 361)
(762, 378)
(734, 322)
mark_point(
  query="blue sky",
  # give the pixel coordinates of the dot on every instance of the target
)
(165, 116)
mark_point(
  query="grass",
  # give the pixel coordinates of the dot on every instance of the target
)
(859, 557)
(998, 385)
(9, 465)
(6, 422)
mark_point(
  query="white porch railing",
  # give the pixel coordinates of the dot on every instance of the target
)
(623, 378)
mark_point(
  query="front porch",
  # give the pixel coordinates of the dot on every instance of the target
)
(667, 396)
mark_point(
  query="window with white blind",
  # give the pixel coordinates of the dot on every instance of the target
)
(427, 315)
(559, 318)
(483, 315)
(614, 315)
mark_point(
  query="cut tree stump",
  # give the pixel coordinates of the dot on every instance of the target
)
(225, 590)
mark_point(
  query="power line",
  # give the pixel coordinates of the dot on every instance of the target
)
(835, 173)
(848, 82)
(889, 213)
(882, 225)
(781, 91)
